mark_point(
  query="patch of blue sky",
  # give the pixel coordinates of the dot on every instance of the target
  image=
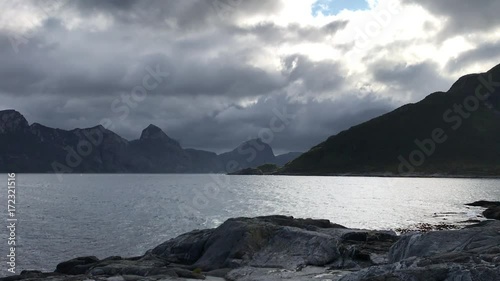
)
(333, 7)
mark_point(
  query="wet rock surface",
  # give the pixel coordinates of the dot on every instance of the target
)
(285, 248)
(468, 254)
(492, 211)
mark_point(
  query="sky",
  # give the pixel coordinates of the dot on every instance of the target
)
(215, 73)
(333, 7)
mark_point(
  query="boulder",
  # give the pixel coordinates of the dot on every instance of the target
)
(471, 242)
(185, 249)
(76, 266)
(277, 242)
(468, 254)
(492, 213)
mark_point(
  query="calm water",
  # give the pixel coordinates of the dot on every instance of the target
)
(126, 215)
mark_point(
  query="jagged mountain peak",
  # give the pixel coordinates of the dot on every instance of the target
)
(12, 121)
(153, 132)
(38, 125)
(98, 127)
(254, 142)
(37, 147)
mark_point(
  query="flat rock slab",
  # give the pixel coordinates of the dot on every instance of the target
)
(274, 242)
(271, 274)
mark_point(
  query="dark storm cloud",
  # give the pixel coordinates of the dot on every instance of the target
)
(73, 70)
(17, 72)
(272, 33)
(55, 63)
(463, 16)
(113, 6)
(41, 73)
(185, 14)
(486, 53)
(215, 97)
(408, 78)
(317, 77)
(311, 122)
(221, 77)
(152, 13)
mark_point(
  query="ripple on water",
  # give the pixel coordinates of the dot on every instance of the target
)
(126, 215)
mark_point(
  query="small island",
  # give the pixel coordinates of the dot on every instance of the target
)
(266, 169)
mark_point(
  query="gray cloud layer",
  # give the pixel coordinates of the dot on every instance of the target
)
(464, 16)
(216, 95)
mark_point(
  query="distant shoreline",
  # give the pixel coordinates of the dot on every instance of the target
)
(295, 175)
(400, 176)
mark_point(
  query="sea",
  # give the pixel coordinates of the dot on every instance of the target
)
(62, 217)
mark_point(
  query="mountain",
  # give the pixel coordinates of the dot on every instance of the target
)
(249, 154)
(158, 153)
(87, 150)
(282, 159)
(17, 148)
(39, 149)
(12, 122)
(204, 161)
(448, 133)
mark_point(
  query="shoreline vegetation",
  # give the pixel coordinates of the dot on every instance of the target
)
(287, 248)
(276, 171)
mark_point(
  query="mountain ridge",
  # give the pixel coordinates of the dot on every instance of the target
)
(452, 133)
(37, 148)
(445, 133)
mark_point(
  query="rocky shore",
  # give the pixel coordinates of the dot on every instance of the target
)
(286, 248)
(492, 209)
